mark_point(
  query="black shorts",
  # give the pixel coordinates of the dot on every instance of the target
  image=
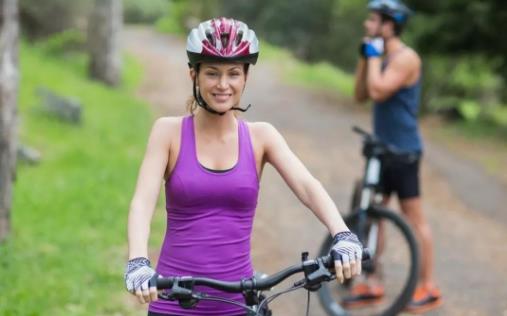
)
(401, 176)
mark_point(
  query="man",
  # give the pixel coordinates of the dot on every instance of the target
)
(389, 73)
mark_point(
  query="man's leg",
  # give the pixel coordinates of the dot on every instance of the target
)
(412, 208)
(426, 296)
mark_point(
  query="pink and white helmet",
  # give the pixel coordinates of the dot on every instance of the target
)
(222, 39)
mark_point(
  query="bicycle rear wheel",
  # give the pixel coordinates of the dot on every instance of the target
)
(399, 267)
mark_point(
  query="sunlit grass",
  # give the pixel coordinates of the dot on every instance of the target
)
(67, 248)
(483, 143)
(320, 75)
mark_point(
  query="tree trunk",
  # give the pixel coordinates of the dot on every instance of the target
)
(104, 29)
(8, 107)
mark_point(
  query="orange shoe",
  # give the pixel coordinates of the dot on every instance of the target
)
(424, 300)
(363, 295)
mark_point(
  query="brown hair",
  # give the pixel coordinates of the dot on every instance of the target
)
(191, 105)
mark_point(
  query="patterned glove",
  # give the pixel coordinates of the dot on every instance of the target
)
(372, 47)
(346, 247)
(137, 274)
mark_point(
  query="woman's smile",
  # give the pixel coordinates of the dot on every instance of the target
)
(221, 97)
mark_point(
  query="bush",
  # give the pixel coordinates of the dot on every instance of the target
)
(182, 15)
(497, 115)
(144, 11)
(68, 41)
(463, 87)
(43, 18)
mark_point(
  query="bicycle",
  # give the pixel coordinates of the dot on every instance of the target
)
(316, 271)
(368, 218)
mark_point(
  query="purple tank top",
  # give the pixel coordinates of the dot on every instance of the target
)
(209, 223)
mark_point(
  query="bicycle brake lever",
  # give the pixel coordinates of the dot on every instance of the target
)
(183, 294)
(315, 273)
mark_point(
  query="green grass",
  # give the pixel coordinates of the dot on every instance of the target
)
(168, 25)
(479, 141)
(67, 248)
(321, 75)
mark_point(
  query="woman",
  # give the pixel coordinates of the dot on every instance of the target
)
(212, 162)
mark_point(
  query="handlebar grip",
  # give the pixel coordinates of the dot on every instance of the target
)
(161, 283)
(366, 255)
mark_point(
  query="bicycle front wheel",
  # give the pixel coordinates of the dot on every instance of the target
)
(395, 260)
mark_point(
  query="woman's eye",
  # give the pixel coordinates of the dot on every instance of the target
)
(235, 74)
(211, 74)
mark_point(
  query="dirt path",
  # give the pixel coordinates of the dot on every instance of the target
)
(463, 205)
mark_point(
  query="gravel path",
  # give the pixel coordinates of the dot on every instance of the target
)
(464, 205)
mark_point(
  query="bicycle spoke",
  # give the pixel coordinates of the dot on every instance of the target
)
(308, 303)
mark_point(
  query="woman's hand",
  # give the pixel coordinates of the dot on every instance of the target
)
(137, 275)
(347, 252)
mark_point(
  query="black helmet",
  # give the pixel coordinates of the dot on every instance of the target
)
(394, 9)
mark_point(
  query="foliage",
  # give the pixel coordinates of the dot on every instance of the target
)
(65, 42)
(67, 249)
(182, 15)
(464, 87)
(287, 23)
(174, 19)
(42, 18)
(144, 11)
(461, 26)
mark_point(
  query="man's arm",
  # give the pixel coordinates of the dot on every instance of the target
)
(360, 88)
(399, 73)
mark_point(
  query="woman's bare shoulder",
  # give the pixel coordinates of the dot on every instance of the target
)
(167, 128)
(261, 127)
(168, 123)
(262, 130)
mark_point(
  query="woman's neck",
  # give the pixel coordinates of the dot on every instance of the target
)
(215, 125)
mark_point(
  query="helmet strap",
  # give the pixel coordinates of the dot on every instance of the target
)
(241, 109)
(200, 101)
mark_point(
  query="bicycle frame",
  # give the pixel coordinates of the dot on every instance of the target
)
(373, 151)
(368, 218)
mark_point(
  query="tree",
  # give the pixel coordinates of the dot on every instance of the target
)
(9, 31)
(301, 25)
(455, 27)
(104, 41)
(40, 19)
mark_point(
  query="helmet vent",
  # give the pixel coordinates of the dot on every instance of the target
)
(239, 37)
(224, 38)
(210, 37)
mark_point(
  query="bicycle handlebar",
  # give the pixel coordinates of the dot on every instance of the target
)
(316, 271)
(372, 140)
(361, 131)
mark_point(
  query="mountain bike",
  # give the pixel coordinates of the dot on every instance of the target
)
(390, 240)
(316, 271)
